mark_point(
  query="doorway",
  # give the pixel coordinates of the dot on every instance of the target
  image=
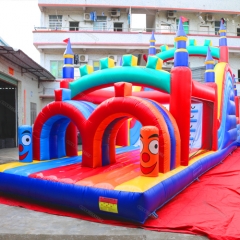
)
(73, 26)
(118, 27)
(8, 115)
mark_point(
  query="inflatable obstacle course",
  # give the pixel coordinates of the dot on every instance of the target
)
(167, 136)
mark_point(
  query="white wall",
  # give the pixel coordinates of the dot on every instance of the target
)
(195, 23)
(92, 56)
(97, 52)
(46, 101)
(25, 82)
(234, 61)
(78, 16)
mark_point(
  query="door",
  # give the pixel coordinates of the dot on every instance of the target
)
(8, 115)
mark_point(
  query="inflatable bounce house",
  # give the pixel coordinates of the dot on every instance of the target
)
(146, 133)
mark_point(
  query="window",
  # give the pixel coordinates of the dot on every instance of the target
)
(118, 27)
(100, 24)
(198, 73)
(73, 26)
(165, 28)
(185, 26)
(238, 75)
(33, 112)
(55, 22)
(238, 32)
(217, 26)
(204, 29)
(56, 68)
(76, 73)
(96, 65)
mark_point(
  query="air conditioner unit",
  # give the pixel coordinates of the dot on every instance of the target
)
(87, 17)
(171, 14)
(115, 13)
(114, 57)
(209, 18)
(83, 58)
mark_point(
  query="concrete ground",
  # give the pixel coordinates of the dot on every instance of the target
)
(20, 223)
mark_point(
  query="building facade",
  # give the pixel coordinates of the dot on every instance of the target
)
(20, 86)
(99, 29)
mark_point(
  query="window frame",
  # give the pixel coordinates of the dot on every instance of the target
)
(33, 112)
(184, 26)
(100, 24)
(58, 69)
(216, 28)
(96, 61)
(73, 28)
(238, 32)
(56, 22)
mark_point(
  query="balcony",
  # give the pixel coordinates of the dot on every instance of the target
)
(44, 38)
(186, 5)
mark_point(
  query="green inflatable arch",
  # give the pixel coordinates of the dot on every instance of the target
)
(157, 79)
(192, 50)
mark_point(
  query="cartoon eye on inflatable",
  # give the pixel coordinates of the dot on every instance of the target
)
(26, 140)
(141, 145)
(153, 147)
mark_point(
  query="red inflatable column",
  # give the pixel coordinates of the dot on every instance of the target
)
(123, 89)
(71, 140)
(213, 125)
(122, 136)
(224, 55)
(180, 106)
(181, 92)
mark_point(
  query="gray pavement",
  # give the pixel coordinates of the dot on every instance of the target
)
(20, 223)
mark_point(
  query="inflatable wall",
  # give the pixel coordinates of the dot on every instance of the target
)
(140, 147)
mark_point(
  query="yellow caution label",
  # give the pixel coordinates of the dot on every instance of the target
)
(108, 204)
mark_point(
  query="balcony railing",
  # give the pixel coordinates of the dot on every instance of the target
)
(171, 30)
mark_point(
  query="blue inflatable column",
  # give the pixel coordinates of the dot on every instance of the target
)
(152, 48)
(25, 143)
(68, 69)
(235, 86)
(71, 141)
(224, 55)
(181, 54)
(209, 62)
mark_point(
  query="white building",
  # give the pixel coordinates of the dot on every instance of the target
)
(98, 29)
(20, 86)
